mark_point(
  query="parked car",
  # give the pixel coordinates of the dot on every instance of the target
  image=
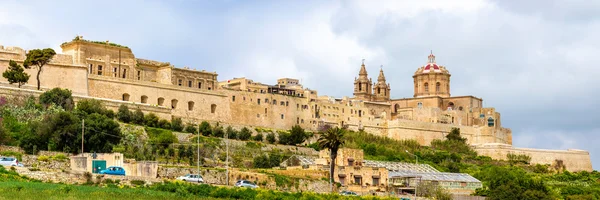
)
(10, 161)
(246, 184)
(348, 193)
(113, 170)
(191, 178)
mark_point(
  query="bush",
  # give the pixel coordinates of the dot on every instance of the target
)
(271, 138)
(258, 137)
(59, 97)
(205, 128)
(217, 131)
(43, 158)
(151, 120)
(191, 128)
(138, 117)
(60, 157)
(123, 114)
(161, 137)
(244, 134)
(137, 182)
(231, 133)
(284, 138)
(164, 124)
(297, 135)
(176, 124)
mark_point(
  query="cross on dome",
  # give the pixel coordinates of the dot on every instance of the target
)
(431, 65)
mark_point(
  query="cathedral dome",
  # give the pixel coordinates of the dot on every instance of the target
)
(431, 67)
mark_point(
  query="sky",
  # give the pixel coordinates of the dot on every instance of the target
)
(534, 61)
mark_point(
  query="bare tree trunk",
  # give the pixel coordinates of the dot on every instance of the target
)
(38, 77)
(332, 169)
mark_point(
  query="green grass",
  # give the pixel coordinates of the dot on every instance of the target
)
(49, 191)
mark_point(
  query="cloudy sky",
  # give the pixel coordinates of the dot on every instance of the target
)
(535, 61)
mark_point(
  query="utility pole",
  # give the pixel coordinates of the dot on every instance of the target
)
(82, 134)
(198, 141)
(227, 159)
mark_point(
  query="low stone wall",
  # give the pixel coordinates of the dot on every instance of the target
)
(573, 160)
(10, 148)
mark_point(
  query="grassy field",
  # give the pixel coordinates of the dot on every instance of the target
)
(51, 191)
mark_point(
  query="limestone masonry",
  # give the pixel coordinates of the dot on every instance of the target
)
(113, 74)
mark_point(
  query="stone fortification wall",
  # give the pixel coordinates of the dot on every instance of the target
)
(60, 72)
(574, 160)
(424, 132)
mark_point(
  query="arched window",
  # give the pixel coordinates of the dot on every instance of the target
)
(490, 122)
(190, 105)
(359, 86)
(420, 105)
(396, 107)
(265, 111)
(174, 103)
(161, 101)
(144, 99)
(437, 87)
(360, 113)
(274, 102)
(451, 106)
(213, 108)
(426, 87)
(125, 97)
(378, 90)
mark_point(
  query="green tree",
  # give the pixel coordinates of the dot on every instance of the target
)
(332, 139)
(190, 154)
(38, 58)
(176, 124)
(64, 130)
(244, 134)
(258, 137)
(271, 138)
(138, 117)
(231, 133)
(181, 153)
(101, 133)
(205, 128)
(16, 74)
(455, 135)
(217, 131)
(89, 106)
(191, 128)
(284, 138)
(124, 114)
(59, 97)
(170, 153)
(151, 120)
(164, 124)
(297, 135)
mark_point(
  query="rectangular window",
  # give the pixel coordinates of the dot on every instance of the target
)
(115, 72)
(358, 180)
(375, 181)
(180, 82)
(258, 100)
(124, 73)
(99, 69)
(232, 98)
(139, 75)
(189, 83)
(281, 116)
(91, 68)
(199, 85)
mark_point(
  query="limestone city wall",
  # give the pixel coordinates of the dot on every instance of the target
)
(573, 159)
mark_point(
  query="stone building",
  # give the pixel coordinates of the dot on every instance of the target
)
(111, 73)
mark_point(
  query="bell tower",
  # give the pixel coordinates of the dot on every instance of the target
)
(382, 89)
(362, 84)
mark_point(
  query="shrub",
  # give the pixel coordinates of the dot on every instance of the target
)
(258, 137)
(217, 131)
(191, 128)
(164, 124)
(138, 117)
(151, 120)
(43, 158)
(123, 114)
(231, 133)
(177, 124)
(297, 135)
(205, 128)
(244, 134)
(60, 157)
(137, 182)
(161, 137)
(88, 177)
(271, 138)
(59, 97)
(284, 138)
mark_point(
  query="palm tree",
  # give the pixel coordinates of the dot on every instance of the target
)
(332, 139)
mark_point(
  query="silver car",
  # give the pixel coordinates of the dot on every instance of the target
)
(191, 178)
(246, 184)
(10, 161)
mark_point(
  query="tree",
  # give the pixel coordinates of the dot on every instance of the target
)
(59, 97)
(101, 133)
(181, 153)
(124, 114)
(38, 58)
(297, 135)
(332, 139)
(176, 124)
(64, 131)
(231, 133)
(15, 74)
(271, 138)
(190, 154)
(205, 128)
(89, 106)
(164, 124)
(151, 120)
(245, 134)
(191, 128)
(138, 117)
(455, 135)
(217, 131)
(258, 137)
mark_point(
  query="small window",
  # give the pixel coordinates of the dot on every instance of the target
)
(213, 108)
(287, 103)
(144, 99)
(125, 97)
(91, 68)
(174, 103)
(258, 101)
(232, 98)
(257, 115)
(281, 116)
(437, 87)
(199, 85)
(426, 87)
(180, 82)
(161, 101)
(124, 73)
(274, 102)
(208, 88)
(265, 111)
(190, 105)
(189, 83)
(420, 105)
(139, 75)
(375, 181)
(99, 69)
